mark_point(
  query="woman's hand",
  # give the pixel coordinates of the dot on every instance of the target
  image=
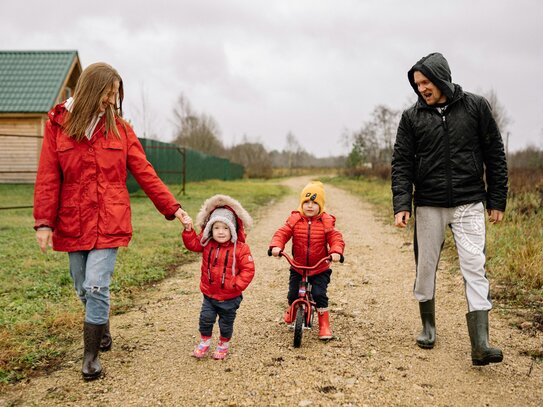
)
(335, 257)
(275, 251)
(44, 238)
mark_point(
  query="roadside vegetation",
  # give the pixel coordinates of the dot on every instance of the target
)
(40, 315)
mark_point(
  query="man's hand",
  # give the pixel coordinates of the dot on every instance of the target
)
(45, 239)
(335, 257)
(401, 219)
(495, 216)
(275, 251)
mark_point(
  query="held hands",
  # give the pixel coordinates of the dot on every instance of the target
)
(187, 222)
(495, 216)
(45, 239)
(184, 218)
(401, 219)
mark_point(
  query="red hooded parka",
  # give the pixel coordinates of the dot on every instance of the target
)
(80, 189)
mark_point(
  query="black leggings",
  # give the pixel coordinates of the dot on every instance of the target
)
(319, 286)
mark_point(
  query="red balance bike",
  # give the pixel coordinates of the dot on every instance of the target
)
(303, 309)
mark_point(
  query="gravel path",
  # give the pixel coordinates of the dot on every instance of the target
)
(373, 361)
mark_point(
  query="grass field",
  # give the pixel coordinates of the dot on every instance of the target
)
(514, 247)
(40, 314)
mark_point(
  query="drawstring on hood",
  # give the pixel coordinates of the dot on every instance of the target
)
(436, 68)
(223, 208)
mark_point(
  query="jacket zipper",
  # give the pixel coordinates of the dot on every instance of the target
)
(448, 171)
(209, 267)
(224, 269)
(308, 240)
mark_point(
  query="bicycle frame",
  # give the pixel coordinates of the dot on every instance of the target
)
(304, 290)
(304, 300)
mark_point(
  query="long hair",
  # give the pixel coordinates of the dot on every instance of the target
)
(93, 85)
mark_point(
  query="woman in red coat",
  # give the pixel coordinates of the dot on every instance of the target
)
(314, 237)
(81, 203)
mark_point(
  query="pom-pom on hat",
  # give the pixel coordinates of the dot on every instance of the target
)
(314, 191)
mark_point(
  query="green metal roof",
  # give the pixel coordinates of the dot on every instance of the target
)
(30, 81)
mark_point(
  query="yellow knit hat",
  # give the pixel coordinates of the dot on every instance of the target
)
(313, 191)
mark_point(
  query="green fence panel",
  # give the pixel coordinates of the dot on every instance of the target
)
(167, 160)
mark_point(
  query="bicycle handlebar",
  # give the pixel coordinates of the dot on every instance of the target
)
(299, 266)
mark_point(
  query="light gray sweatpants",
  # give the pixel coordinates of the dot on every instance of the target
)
(467, 223)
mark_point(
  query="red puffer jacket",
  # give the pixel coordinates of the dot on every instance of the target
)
(218, 281)
(80, 189)
(312, 239)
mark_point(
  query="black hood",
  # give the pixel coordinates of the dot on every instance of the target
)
(436, 68)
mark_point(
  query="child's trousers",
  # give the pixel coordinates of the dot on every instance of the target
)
(319, 287)
(226, 310)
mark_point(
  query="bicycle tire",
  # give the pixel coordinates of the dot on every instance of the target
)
(299, 326)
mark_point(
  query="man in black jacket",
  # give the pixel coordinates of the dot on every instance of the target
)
(447, 144)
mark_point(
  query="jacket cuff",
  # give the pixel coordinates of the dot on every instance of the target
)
(172, 216)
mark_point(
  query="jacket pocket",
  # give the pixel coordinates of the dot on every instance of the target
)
(117, 211)
(68, 218)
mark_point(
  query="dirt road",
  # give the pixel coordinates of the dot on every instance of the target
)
(373, 361)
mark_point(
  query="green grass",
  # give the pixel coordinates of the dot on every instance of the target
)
(514, 247)
(40, 314)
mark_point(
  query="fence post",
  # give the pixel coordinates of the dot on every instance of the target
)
(183, 152)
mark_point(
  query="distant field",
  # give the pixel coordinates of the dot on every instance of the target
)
(39, 312)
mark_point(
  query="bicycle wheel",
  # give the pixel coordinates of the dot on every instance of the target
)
(299, 326)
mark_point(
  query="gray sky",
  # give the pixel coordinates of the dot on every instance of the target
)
(313, 67)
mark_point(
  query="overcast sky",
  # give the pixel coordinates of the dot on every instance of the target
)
(312, 67)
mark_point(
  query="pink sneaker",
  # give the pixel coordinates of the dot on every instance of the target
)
(201, 350)
(221, 351)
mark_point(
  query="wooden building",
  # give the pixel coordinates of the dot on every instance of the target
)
(31, 83)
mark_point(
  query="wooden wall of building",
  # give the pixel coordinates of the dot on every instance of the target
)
(20, 146)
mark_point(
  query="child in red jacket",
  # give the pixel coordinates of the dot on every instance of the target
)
(227, 267)
(313, 236)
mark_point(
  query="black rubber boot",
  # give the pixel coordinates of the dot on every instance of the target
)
(481, 353)
(427, 337)
(92, 335)
(106, 342)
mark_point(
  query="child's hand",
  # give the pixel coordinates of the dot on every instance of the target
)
(186, 220)
(276, 251)
(336, 257)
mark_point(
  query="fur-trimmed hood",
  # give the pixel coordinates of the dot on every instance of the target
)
(243, 219)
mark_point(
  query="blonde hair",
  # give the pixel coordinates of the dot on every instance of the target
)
(95, 82)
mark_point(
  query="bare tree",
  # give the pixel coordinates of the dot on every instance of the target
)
(197, 131)
(498, 111)
(293, 149)
(145, 117)
(255, 159)
(374, 142)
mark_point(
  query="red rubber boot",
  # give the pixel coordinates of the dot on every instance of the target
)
(324, 324)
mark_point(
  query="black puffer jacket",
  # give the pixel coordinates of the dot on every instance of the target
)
(447, 155)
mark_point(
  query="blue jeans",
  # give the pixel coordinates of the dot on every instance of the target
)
(226, 310)
(91, 271)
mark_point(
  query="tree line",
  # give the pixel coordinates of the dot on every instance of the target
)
(200, 131)
(370, 146)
